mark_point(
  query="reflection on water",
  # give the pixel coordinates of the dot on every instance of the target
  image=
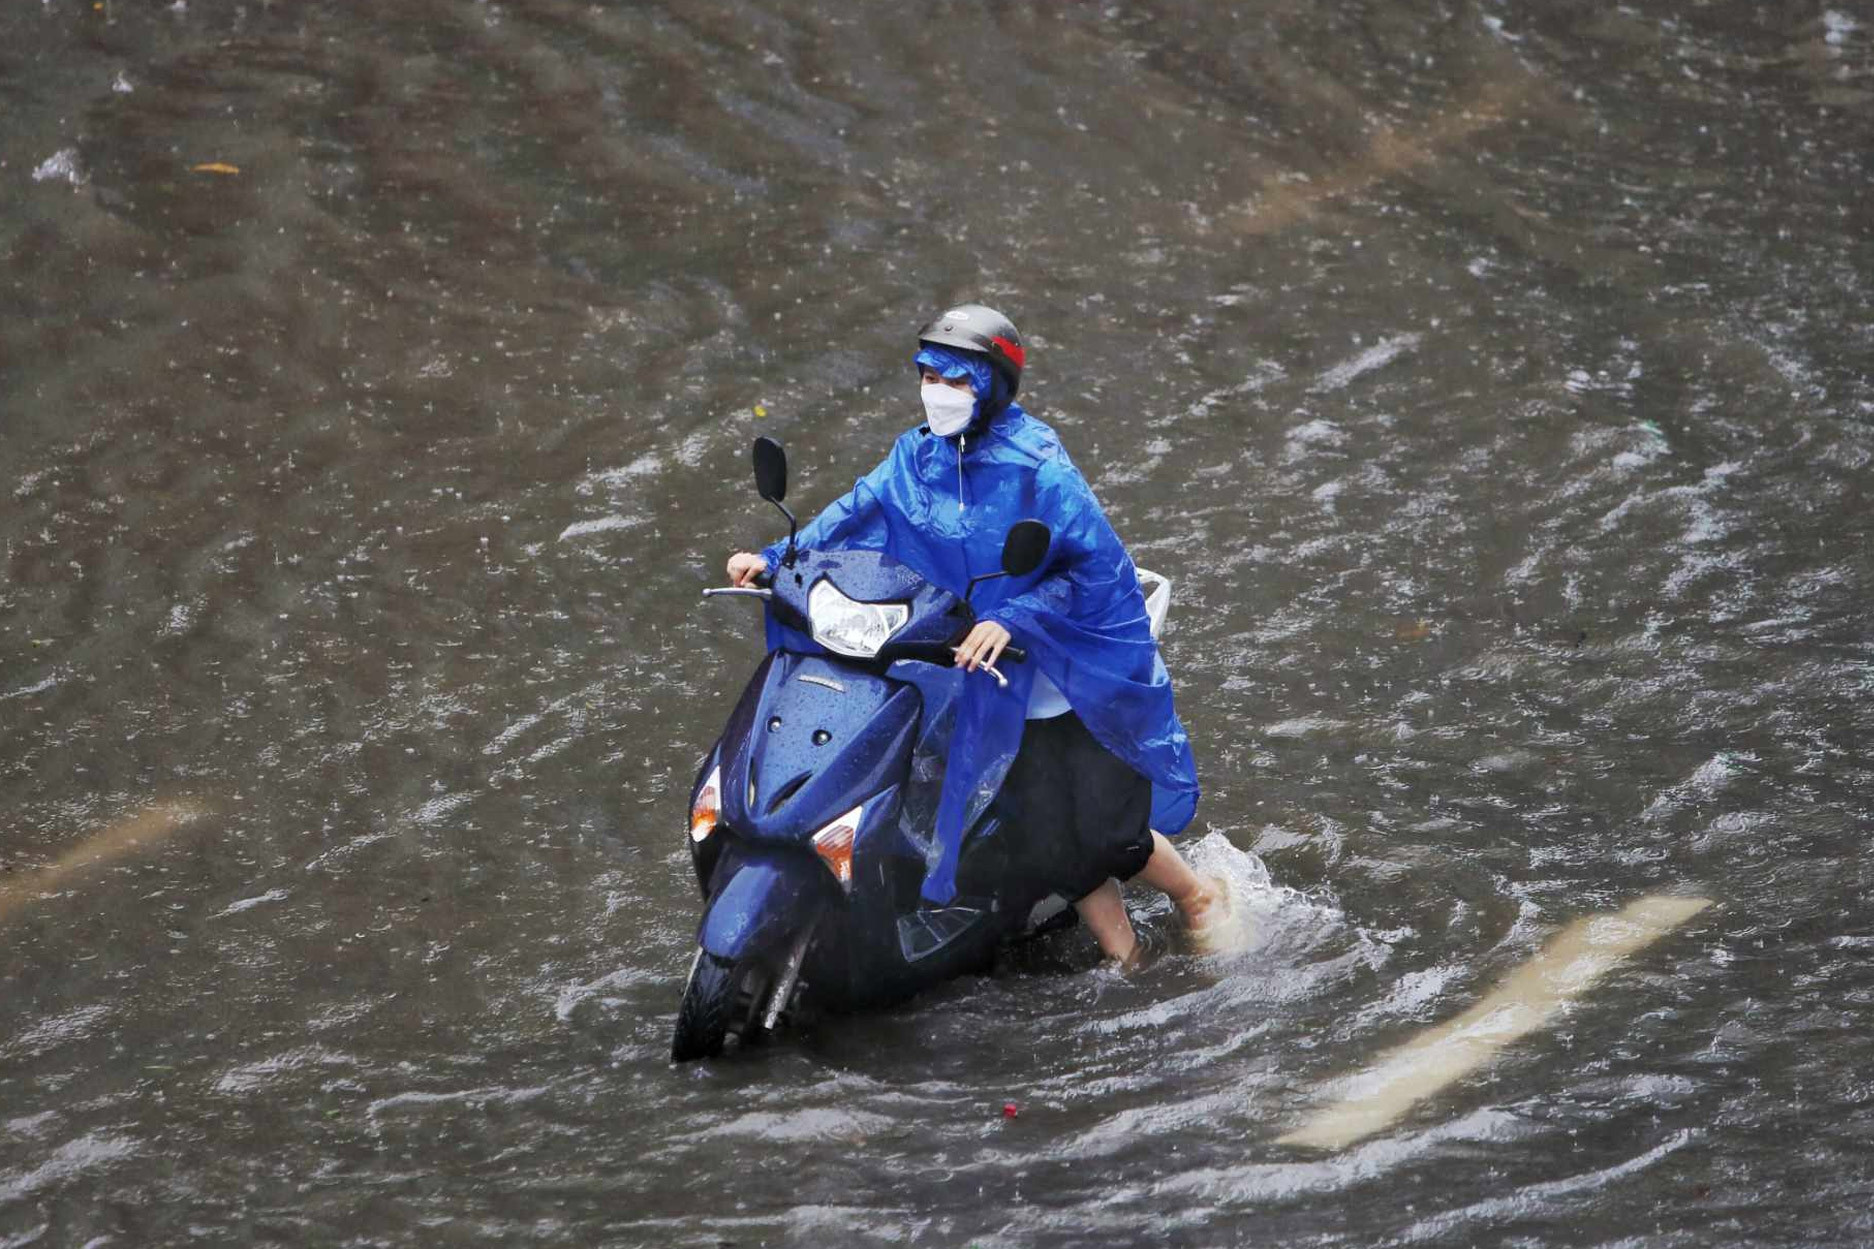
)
(376, 388)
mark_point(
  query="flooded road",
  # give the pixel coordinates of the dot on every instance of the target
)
(1494, 380)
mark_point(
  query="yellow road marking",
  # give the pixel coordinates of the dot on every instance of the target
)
(1530, 997)
(144, 829)
(1390, 151)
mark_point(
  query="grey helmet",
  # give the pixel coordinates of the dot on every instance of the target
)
(972, 327)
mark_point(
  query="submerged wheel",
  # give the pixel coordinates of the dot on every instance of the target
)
(721, 998)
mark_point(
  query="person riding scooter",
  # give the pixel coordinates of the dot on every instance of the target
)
(1084, 741)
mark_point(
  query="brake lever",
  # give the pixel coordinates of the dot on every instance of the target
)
(1002, 682)
(738, 591)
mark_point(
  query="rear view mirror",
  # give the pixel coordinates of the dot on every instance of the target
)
(770, 470)
(1022, 552)
(771, 481)
(1026, 547)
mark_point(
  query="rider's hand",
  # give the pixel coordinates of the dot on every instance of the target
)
(744, 567)
(983, 646)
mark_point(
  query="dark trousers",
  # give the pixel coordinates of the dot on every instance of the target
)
(1081, 813)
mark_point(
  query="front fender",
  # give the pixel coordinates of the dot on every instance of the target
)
(769, 897)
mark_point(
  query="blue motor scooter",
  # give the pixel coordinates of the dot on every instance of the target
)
(811, 817)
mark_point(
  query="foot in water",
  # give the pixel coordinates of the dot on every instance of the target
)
(1213, 918)
(1143, 954)
(1213, 913)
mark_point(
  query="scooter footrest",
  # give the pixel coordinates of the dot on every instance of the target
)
(928, 930)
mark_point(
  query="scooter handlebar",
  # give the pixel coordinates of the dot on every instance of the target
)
(758, 587)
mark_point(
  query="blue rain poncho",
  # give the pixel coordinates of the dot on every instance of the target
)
(943, 506)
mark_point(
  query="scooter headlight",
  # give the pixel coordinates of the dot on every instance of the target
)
(706, 811)
(846, 626)
(834, 845)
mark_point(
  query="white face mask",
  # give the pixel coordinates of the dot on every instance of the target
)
(947, 409)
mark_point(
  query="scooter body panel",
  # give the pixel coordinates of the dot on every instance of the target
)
(767, 896)
(812, 738)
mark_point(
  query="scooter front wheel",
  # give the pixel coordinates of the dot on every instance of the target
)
(721, 997)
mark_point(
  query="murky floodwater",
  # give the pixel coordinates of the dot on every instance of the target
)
(1495, 379)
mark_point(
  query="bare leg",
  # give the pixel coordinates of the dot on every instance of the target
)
(1167, 872)
(1104, 914)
